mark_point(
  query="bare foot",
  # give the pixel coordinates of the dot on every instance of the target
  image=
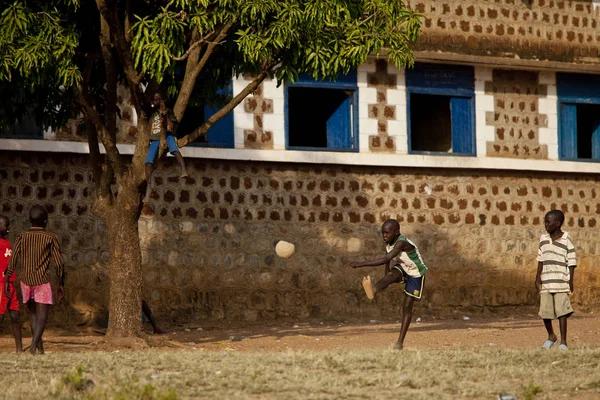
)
(398, 346)
(368, 286)
(184, 175)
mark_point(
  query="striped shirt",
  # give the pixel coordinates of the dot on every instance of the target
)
(556, 257)
(32, 253)
(412, 263)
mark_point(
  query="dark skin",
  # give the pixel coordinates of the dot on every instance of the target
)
(553, 225)
(390, 232)
(38, 313)
(148, 313)
(15, 318)
(158, 104)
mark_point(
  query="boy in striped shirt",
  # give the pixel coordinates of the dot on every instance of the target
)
(554, 279)
(407, 266)
(34, 250)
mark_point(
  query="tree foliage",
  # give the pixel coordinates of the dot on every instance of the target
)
(43, 45)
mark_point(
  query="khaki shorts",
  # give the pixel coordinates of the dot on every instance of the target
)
(555, 305)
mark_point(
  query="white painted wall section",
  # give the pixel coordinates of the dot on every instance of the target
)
(484, 103)
(549, 106)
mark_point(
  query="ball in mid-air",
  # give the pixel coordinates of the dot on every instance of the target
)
(284, 249)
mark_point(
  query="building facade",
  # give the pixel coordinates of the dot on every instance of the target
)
(497, 123)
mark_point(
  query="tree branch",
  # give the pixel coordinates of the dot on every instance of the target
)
(110, 145)
(193, 69)
(203, 129)
(128, 24)
(94, 147)
(195, 45)
(109, 11)
(110, 68)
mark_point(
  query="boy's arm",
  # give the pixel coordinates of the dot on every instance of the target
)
(538, 276)
(572, 272)
(14, 259)
(172, 122)
(12, 264)
(571, 262)
(60, 266)
(398, 248)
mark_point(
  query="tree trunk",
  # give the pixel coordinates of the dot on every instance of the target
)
(125, 266)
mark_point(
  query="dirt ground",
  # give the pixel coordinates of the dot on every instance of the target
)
(459, 332)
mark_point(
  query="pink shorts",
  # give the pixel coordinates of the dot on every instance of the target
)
(40, 293)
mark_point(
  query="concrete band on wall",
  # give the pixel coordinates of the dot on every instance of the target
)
(208, 250)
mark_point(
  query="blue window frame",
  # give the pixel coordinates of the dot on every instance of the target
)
(26, 129)
(220, 134)
(322, 115)
(578, 116)
(440, 109)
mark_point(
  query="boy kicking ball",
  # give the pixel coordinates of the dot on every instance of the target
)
(407, 266)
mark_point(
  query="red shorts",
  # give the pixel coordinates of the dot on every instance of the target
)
(12, 304)
(39, 293)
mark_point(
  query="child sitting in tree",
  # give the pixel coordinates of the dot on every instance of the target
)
(406, 266)
(9, 301)
(163, 125)
(33, 252)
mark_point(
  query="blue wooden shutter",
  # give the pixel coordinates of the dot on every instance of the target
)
(462, 125)
(339, 125)
(596, 140)
(221, 133)
(568, 131)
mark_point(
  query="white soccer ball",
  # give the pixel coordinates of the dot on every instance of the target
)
(284, 249)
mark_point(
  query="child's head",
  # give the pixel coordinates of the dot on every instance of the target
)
(4, 225)
(553, 221)
(38, 216)
(157, 99)
(390, 230)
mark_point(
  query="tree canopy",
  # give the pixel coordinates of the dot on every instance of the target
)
(44, 45)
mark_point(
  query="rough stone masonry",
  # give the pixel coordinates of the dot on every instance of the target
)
(208, 244)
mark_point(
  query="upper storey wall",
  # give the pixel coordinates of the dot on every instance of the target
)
(553, 30)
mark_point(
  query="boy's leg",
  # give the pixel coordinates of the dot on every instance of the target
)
(32, 323)
(148, 312)
(547, 313)
(173, 149)
(562, 322)
(16, 329)
(548, 324)
(41, 311)
(150, 158)
(148, 170)
(562, 306)
(394, 276)
(179, 159)
(407, 311)
(391, 277)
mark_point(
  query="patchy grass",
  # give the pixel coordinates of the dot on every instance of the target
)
(169, 375)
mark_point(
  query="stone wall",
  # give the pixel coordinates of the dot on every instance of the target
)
(208, 243)
(555, 30)
(516, 117)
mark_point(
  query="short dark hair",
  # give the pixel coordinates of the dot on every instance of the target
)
(395, 224)
(4, 217)
(38, 214)
(559, 215)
